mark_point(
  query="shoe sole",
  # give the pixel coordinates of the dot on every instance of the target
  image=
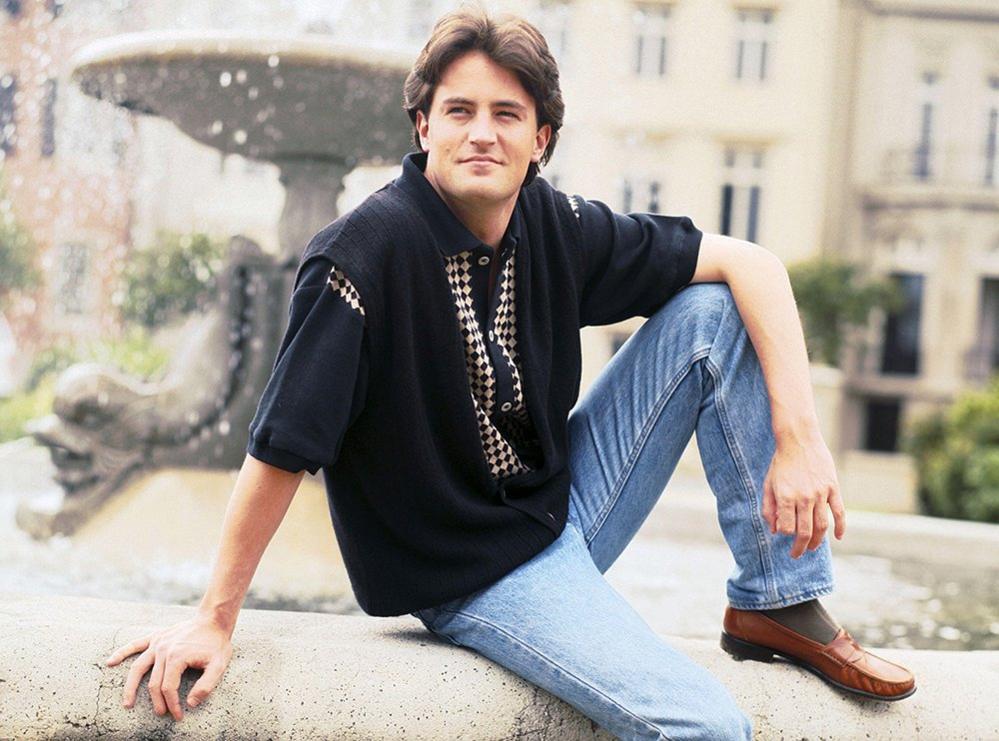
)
(741, 650)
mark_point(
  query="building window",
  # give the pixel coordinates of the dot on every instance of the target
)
(983, 360)
(649, 21)
(48, 117)
(923, 164)
(752, 43)
(741, 192)
(640, 194)
(992, 133)
(8, 129)
(72, 272)
(553, 22)
(900, 352)
(881, 424)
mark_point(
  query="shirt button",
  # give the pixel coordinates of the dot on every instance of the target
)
(506, 406)
(492, 336)
(484, 260)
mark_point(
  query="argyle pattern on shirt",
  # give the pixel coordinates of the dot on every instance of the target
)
(340, 285)
(501, 434)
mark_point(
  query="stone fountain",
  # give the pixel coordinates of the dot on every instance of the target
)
(315, 108)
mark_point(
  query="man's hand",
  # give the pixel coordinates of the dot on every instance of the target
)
(800, 483)
(198, 642)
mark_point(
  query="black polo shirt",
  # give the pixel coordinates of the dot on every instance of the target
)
(370, 366)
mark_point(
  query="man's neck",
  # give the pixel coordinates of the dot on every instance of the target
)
(488, 223)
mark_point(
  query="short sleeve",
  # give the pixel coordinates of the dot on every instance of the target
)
(633, 263)
(319, 379)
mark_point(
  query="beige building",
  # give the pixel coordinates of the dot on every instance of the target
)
(916, 192)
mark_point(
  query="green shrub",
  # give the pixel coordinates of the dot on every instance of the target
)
(16, 410)
(957, 457)
(832, 298)
(175, 276)
(17, 250)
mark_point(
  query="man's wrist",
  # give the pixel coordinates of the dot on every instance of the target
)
(222, 616)
(802, 430)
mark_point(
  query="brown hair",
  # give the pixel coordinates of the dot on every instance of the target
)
(511, 42)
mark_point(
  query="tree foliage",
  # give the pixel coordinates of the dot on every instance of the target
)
(17, 258)
(175, 276)
(957, 457)
(834, 297)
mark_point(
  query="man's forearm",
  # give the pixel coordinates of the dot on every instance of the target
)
(762, 290)
(259, 501)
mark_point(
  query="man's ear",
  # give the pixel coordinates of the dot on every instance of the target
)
(541, 140)
(422, 128)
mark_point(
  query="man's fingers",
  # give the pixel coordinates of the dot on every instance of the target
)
(804, 519)
(140, 644)
(155, 683)
(839, 512)
(139, 668)
(206, 682)
(171, 681)
(769, 505)
(786, 521)
(820, 523)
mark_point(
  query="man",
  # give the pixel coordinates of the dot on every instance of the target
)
(431, 368)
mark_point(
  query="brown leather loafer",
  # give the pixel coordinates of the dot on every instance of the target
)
(843, 663)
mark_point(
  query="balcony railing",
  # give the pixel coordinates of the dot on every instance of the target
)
(872, 359)
(981, 362)
(951, 167)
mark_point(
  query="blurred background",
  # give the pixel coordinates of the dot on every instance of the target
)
(163, 164)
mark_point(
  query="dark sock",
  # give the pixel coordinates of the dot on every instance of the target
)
(808, 618)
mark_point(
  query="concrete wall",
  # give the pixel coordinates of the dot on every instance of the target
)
(308, 675)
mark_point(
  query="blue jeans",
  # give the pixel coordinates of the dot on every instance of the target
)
(555, 621)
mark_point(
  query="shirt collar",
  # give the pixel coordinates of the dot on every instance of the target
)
(451, 235)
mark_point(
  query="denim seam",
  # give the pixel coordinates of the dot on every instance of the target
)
(551, 663)
(786, 601)
(643, 436)
(740, 464)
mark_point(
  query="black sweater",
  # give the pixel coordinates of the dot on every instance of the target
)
(418, 516)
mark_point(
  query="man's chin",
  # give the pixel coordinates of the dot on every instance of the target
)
(485, 193)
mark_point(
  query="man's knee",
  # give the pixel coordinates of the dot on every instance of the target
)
(710, 712)
(702, 308)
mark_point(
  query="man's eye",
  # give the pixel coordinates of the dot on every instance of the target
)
(508, 113)
(457, 108)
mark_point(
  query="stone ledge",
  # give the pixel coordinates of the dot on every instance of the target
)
(310, 675)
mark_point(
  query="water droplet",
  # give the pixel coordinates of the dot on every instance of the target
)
(216, 127)
(239, 136)
(273, 60)
(949, 633)
(225, 79)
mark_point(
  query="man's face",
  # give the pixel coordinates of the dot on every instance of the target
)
(480, 110)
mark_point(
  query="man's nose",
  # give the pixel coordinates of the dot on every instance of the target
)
(483, 130)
